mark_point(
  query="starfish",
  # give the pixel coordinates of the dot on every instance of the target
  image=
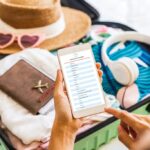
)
(40, 86)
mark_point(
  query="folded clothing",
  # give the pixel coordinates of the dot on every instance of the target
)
(24, 125)
(17, 143)
(131, 49)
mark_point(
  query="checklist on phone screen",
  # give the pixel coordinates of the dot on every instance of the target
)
(82, 80)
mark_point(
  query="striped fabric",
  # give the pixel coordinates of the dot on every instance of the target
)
(131, 50)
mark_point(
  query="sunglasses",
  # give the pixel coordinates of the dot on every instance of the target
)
(24, 41)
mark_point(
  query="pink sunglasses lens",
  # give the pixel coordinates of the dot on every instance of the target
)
(5, 39)
(29, 41)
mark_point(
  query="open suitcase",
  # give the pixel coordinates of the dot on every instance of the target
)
(103, 132)
(107, 130)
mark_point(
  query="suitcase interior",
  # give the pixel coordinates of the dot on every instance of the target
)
(2, 145)
(103, 132)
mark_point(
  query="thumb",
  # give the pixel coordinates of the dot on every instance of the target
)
(59, 81)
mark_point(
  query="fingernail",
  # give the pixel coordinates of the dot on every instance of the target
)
(58, 71)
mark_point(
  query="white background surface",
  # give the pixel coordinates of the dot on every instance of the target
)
(134, 13)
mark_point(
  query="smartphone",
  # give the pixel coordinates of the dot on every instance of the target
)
(82, 81)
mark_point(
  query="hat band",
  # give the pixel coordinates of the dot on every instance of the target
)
(49, 31)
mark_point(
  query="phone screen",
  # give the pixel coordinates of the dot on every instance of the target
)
(82, 81)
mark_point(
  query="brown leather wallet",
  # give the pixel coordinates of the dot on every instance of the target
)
(27, 86)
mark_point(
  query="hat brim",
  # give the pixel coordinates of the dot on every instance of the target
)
(77, 26)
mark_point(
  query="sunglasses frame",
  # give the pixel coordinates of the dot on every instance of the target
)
(19, 42)
(10, 42)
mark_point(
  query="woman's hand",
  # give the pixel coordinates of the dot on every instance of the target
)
(134, 130)
(65, 126)
(62, 106)
(100, 73)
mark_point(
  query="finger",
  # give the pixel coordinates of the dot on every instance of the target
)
(125, 126)
(124, 137)
(98, 65)
(100, 73)
(88, 122)
(65, 89)
(66, 93)
(84, 119)
(143, 117)
(126, 117)
(133, 133)
(59, 81)
(58, 91)
(129, 130)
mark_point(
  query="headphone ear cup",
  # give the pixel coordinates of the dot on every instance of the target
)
(125, 71)
(132, 66)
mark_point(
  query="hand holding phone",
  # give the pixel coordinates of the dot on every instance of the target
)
(82, 80)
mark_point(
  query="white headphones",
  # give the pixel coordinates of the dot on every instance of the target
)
(124, 70)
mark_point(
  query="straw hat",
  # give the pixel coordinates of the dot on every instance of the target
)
(61, 25)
